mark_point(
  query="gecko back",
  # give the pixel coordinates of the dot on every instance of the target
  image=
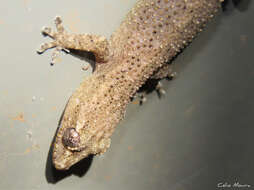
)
(153, 32)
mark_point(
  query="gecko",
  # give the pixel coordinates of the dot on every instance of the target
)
(152, 34)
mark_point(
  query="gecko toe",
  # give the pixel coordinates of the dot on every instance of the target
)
(58, 23)
(55, 55)
(142, 98)
(58, 20)
(43, 47)
(47, 31)
(173, 75)
(159, 89)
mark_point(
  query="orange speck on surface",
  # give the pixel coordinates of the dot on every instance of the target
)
(33, 115)
(19, 117)
(54, 108)
(135, 102)
(27, 151)
(130, 148)
(107, 177)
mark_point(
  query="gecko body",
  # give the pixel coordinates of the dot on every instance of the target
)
(153, 32)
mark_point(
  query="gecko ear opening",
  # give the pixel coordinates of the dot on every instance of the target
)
(71, 139)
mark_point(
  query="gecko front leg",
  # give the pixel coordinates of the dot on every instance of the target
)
(62, 41)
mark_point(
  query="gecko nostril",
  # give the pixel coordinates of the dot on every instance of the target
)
(71, 138)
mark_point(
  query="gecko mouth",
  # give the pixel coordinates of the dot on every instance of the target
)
(63, 158)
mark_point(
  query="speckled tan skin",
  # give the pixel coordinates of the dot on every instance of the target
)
(153, 32)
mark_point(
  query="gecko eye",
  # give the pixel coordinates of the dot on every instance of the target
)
(71, 138)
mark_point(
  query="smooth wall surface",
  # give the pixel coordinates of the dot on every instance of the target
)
(199, 136)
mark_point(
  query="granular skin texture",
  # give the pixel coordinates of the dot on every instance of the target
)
(153, 32)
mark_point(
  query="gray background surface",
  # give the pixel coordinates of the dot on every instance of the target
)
(200, 134)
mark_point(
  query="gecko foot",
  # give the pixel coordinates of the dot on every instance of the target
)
(63, 41)
(57, 38)
(159, 89)
(171, 76)
(142, 98)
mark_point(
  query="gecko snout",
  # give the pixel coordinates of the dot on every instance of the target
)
(71, 138)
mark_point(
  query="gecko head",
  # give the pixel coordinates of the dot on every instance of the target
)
(78, 136)
(72, 146)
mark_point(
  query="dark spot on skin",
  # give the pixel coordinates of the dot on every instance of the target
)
(71, 138)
